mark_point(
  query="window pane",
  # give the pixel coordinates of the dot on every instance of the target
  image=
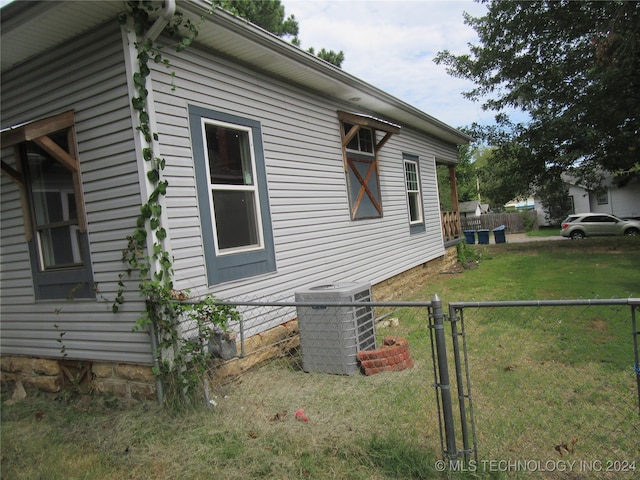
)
(229, 156)
(52, 190)
(353, 144)
(366, 140)
(411, 176)
(414, 207)
(361, 141)
(54, 208)
(60, 247)
(236, 220)
(413, 191)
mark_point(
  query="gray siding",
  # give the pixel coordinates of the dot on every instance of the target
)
(89, 77)
(315, 240)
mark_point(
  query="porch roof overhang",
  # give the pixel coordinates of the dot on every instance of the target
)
(31, 28)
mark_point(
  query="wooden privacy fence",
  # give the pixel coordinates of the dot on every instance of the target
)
(514, 222)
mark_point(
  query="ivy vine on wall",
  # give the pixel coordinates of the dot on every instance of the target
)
(183, 328)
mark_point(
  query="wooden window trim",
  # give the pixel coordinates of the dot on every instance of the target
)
(350, 157)
(38, 132)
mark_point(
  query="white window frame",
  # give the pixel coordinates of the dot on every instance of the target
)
(357, 137)
(417, 193)
(236, 188)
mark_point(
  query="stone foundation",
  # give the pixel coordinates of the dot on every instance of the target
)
(258, 349)
(135, 382)
(138, 382)
(404, 285)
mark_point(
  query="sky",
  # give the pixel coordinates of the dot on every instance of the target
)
(391, 45)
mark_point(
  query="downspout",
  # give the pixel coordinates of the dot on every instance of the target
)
(152, 34)
(129, 39)
(162, 21)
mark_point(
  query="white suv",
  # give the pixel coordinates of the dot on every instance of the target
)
(582, 225)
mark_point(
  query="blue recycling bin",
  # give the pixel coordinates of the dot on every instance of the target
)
(470, 236)
(483, 237)
(499, 234)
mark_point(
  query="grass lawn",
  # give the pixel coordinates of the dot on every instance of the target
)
(541, 379)
(545, 232)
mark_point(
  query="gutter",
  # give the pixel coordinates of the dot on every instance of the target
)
(161, 22)
(373, 97)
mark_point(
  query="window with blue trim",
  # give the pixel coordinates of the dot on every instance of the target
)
(47, 171)
(232, 195)
(414, 192)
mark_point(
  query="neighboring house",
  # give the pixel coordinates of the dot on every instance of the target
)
(284, 171)
(622, 201)
(473, 209)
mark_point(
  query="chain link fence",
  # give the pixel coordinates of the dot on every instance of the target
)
(537, 389)
(550, 386)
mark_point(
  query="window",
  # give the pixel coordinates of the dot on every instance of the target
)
(53, 207)
(232, 194)
(412, 182)
(362, 141)
(48, 175)
(360, 148)
(603, 198)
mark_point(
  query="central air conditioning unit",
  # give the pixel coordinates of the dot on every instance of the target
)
(332, 336)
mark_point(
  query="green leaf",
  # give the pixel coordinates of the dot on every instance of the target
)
(140, 235)
(153, 176)
(156, 209)
(138, 103)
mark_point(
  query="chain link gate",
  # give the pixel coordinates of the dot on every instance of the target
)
(606, 446)
(572, 406)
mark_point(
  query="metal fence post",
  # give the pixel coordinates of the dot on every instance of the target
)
(443, 374)
(636, 353)
(459, 381)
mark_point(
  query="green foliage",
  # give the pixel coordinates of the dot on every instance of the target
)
(554, 195)
(466, 179)
(331, 56)
(270, 15)
(184, 331)
(529, 219)
(184, 354)
(574, 68)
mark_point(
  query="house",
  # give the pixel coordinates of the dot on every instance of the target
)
(283, 171)
(621, 201)
(473, 209)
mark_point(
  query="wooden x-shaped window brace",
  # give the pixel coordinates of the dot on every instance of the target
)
(357, 122)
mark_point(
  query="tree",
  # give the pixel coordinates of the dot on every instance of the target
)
(270, 15)
(574, 67)
(466, 179)
(329, 56)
